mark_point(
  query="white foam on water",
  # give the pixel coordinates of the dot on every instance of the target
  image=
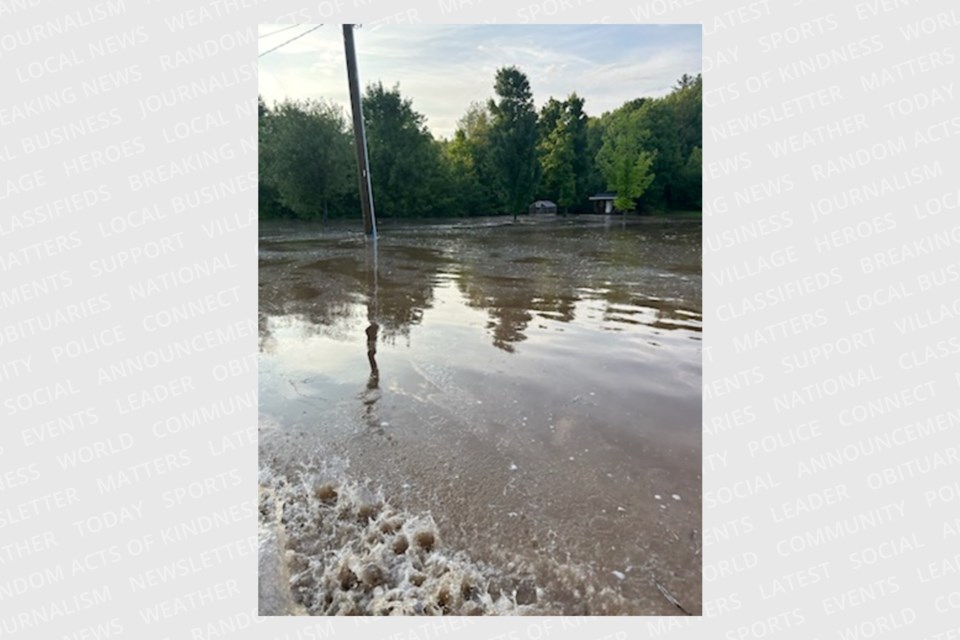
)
(331, 546)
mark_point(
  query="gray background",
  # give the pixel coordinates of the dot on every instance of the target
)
(127, 496)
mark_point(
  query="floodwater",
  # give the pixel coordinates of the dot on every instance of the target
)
(481, 418)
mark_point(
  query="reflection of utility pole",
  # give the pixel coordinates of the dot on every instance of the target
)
(373, 311)
(359, 135)
(374, 381)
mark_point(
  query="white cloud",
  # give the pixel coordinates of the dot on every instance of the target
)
(443, 68)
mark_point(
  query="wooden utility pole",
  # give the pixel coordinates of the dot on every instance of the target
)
(359, 135)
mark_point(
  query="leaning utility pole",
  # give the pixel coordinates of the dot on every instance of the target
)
(359, 135)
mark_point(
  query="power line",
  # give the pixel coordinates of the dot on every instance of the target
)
(290, 40)
(288, 27)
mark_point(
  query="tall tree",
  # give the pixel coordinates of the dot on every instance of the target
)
(686, 104)
(577, 123)
(659, 119)
(675, 125)
(594, 180)
(623, 161)
(471, 164)
(514, 138)
(550, 115)
(404, 162)
(557, 160)
(563, 151)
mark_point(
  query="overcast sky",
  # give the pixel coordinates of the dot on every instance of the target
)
(443, 68)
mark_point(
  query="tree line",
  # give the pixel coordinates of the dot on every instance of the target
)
(503, 156)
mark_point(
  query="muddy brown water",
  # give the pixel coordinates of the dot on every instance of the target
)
(528, 395)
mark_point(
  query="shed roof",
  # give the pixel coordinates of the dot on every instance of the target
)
(605, 195)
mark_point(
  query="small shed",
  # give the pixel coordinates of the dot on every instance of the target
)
(603, 201)
(543, 206)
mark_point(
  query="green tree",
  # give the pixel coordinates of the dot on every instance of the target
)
(675, 125)
(594, 177)
(564, 162)
(462, 172)
(686, 104)
(550, 115)
(305, 155)
(268, 199)
(625, 164)
(500, 156)
(686, 80)
(658, 118)
(557, 160)
(404, 161)
(514, 138)
(691, 181)
(582, 160)
(472, 166)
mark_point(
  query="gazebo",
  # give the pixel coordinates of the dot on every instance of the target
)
(543, 206)
(603, 201)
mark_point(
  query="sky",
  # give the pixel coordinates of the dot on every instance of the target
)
(443, 68)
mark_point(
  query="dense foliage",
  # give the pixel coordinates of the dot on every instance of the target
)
(503, 155)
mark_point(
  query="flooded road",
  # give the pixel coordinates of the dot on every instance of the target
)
(481, 418)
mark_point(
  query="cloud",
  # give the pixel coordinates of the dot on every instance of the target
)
(443, 68)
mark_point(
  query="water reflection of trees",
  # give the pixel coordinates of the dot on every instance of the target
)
(624, 305)
(513, 302)
(514, 277)
(545, 275)
(328, 292)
